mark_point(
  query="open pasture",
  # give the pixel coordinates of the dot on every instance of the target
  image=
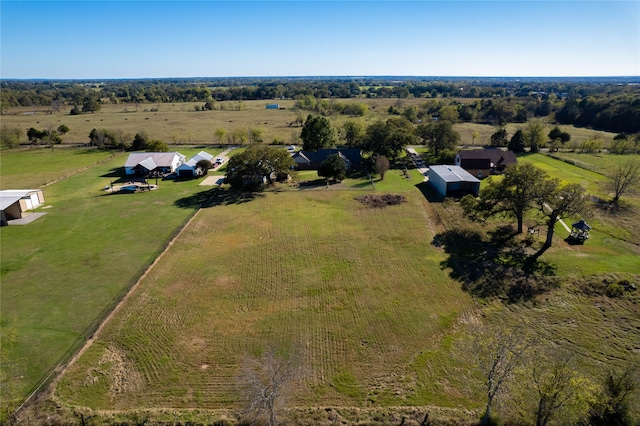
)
(62, 271)
(181, 124)
(35, 168)
(358, 291)
(592, 182)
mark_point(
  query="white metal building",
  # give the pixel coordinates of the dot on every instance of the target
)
(13, 202)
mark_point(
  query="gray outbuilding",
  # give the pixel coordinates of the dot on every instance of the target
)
(453, 181)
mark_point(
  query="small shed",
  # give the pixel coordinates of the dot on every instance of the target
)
(453, 181)
(14, 202)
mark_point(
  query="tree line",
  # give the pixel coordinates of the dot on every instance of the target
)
(606, 104)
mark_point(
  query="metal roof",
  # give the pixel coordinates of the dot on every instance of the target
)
(10, 196)
(453, 174)
(199, 156)
(162, 159)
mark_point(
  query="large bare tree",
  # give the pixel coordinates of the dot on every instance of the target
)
(498, 351)
(268, 381)
(625, 177)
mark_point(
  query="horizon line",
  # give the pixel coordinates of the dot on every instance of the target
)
(413, 76)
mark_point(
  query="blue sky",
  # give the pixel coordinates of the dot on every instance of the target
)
(155, 39)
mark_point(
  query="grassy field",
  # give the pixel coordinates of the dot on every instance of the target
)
(363, 294)
(359, 290)
(181, 124)
(59, 272)
(38, 167)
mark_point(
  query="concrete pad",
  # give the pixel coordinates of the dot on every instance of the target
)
(26, 218)
(212, 181)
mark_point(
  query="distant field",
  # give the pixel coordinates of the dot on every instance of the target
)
(180, 123)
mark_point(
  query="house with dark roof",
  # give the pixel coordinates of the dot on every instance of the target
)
(311, 160)
(484, 162)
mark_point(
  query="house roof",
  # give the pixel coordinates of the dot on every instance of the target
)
(148, 163)
(581, 224)
(199, 156)
(10, 196)
(353, 155)
(477, 163)
(161, 159)
(498, 157)
(453, 174)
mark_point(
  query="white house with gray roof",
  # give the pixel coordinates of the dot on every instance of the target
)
(142, 163)
(189, 168)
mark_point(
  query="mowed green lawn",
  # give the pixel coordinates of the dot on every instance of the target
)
(30, 169)
(612, 246)
(358, 291)
(59, 272)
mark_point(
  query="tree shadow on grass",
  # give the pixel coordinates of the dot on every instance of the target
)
(117, 172)
(494, 265)
(216, 197)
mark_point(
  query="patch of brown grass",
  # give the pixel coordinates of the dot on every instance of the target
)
(380, 201)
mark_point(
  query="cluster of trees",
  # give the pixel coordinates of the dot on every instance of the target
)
(10, 137)
(89, 105)
(385, 138)
(50, 136)
(326, 107)
(116, 140)
(258, 165)
(525, 187)
(610, 105)
(619, 113)
(550, 384)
